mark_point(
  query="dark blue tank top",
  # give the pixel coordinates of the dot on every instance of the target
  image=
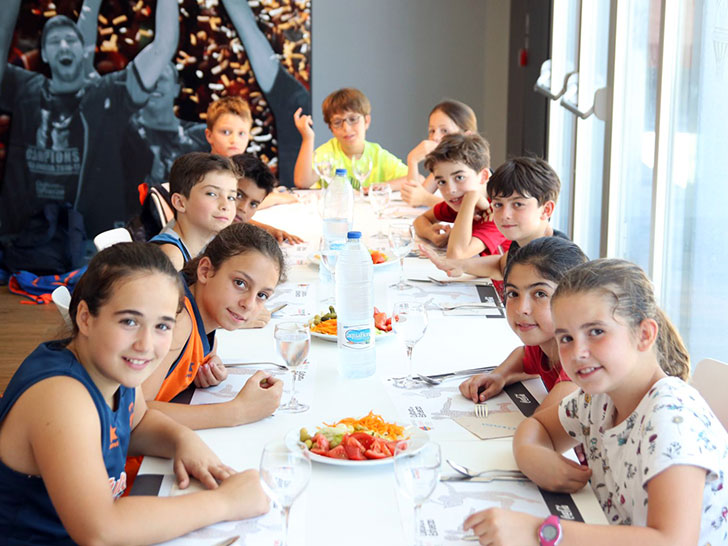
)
(26, 513)
(169, 239)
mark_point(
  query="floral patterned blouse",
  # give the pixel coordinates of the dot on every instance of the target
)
(672, 425)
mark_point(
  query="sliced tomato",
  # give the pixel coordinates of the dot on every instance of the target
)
(388, 324)
(320, 441)
(364, 439)
(354, 450)
(337, 453)
(381, 445)
(372, 454)
(318, 451)
(380, 321)
(378, 257)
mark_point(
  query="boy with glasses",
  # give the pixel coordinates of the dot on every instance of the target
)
(347, 113)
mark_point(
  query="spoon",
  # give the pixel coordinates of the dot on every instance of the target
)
(465, 471)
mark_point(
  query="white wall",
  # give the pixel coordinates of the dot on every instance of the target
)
(406, 56)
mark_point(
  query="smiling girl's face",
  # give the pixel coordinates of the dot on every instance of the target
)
(598, 350)
(234, 293)
(528, 304)
(441, 125)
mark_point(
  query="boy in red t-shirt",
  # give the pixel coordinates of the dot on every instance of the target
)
(460, 165)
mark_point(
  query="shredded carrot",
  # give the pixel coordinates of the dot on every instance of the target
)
(375, 424)
(325, 327)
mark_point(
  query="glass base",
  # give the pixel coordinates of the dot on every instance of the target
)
(402, 285)
(407, 383)
(294, 406)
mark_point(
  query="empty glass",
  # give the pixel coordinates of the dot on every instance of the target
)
(417, 471)
(379, 197)
(401, 238)
(361, 168)
(284, 474)
(409, 322)
(293, 341)
(325, 169)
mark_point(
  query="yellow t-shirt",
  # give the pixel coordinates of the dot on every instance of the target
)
(385, 165)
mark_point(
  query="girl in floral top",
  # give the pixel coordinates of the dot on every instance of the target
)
(657, 455)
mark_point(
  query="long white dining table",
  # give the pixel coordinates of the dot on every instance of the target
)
(362, 506)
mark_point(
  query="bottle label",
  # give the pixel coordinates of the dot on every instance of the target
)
(357, 337)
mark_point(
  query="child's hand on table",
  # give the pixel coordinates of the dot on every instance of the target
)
(281, 236)
(448, 265)
(259, 397)
(193, 458)
(414, 194)
(551, 470)
(259, 320)
(481, 387)
(211, 373)
(499, 527)
(246, 498)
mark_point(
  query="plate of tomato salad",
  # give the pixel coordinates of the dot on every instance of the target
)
(369, 441)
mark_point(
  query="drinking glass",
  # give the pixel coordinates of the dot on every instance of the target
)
(361, 168)
(284, 474)
(417, 470)
(401, 238)
(409, 322)
(324, 168)
(379, 197)
(293, 340)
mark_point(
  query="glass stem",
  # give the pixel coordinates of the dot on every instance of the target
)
(293, 401)
(286, 518)
(401, 271)
(409, 358)
(416, 536)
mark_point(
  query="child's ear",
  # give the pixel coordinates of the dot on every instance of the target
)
(205, 270)
(208, 136)
(83, 317)
(367, 121)
(485, 175)
(647, 334)
(548, 210)
(178, 202)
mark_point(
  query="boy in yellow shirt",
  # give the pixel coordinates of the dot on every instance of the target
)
(347, 112)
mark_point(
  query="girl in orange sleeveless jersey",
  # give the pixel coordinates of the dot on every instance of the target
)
(227, 286)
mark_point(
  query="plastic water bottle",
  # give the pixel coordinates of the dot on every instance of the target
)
(355, 309)
(338, 206)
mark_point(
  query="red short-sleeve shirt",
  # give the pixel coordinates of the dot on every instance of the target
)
(536, 362)
(487, 232)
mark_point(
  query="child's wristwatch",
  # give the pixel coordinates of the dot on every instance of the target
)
(549, 533)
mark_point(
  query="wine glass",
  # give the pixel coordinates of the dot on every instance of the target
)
(361, 168)
(401, 238)
(379, 197)
(417, 471)
(284, 474)
(293, 340)
(409, 322)
(324, 168)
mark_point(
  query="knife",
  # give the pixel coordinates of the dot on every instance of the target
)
(485, 478)
(462, 372)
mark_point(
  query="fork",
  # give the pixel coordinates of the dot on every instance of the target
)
(481, 410)
(474, 305)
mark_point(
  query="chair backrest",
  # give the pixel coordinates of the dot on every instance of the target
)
(62, 298)
(111, 237)
(710, 379)
(164, 211)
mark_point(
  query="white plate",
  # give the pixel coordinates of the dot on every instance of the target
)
(315, 259)
(416, 435)
(329, 337)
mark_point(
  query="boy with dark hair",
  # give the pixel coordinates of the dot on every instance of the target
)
(347, 112)
(255, 183)
(459, 165)
(523, 193)
(204, 191)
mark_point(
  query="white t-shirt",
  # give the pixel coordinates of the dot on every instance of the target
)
(672, 425)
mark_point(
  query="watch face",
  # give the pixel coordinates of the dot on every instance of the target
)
(549, 532)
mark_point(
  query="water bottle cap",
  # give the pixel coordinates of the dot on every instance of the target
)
(340, 172)
(353, 235)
